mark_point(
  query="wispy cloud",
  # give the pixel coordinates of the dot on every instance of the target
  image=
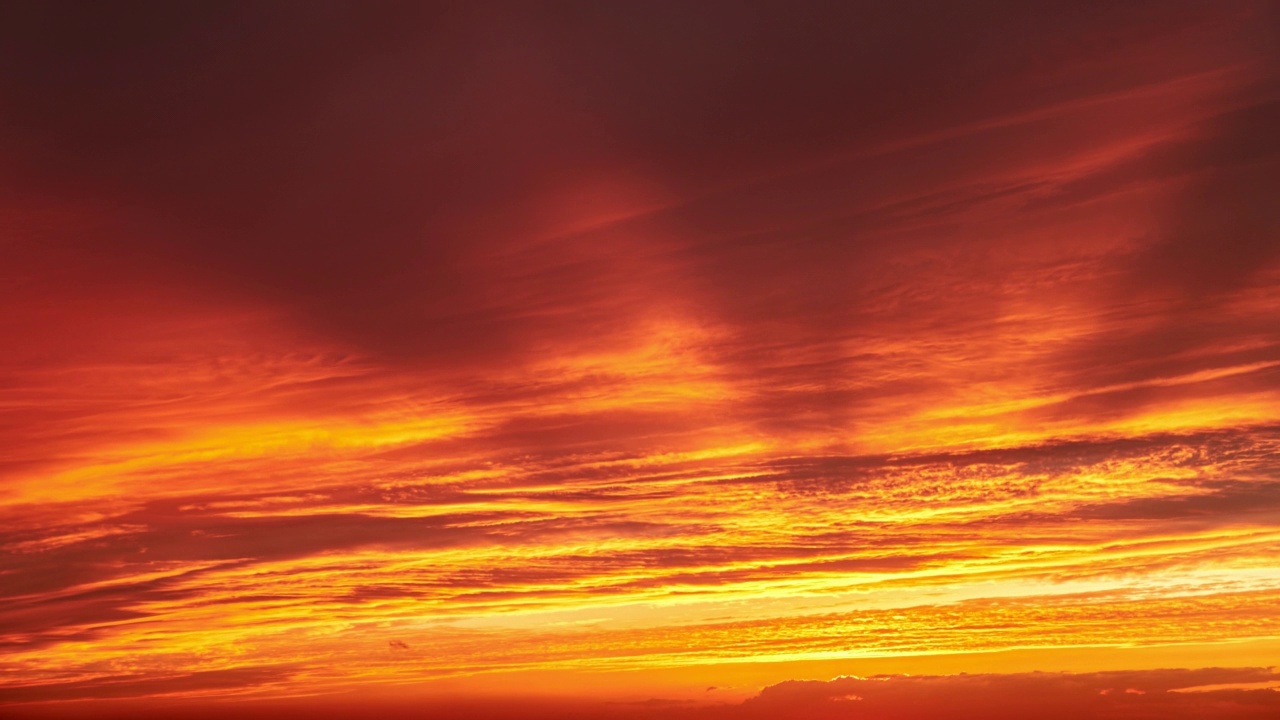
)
(361, 345)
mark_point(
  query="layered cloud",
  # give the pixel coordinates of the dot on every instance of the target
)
(1228, 693)
(354, 346)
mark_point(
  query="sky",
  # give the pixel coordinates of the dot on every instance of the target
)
(715, 360)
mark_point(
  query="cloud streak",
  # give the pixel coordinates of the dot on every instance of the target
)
(356, 346)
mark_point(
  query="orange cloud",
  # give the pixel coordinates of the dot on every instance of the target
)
(451, 352)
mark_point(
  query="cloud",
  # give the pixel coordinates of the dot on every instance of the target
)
(1120, 694)
(536, 336)
(272, 159)
(169, 557)
(130, 686)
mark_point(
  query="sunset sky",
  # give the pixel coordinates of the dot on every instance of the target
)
(640, 359)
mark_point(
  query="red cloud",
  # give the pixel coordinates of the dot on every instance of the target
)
(1047, 696)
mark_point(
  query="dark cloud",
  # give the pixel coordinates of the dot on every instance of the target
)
(1122, 694)
(1210, 149)
(1219, 238)
(128, 686)
(269, 150)
(1232, 500)
(1224, 227)
(1249, 446)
